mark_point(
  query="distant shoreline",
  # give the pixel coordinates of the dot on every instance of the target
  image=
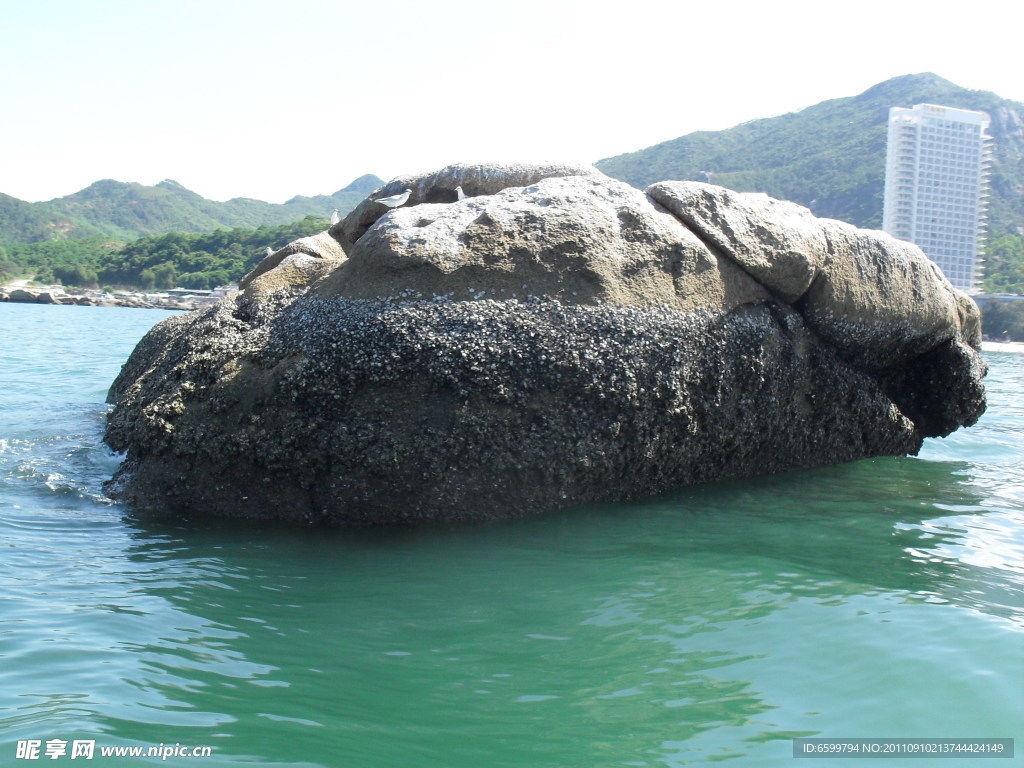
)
(19, 292)
(1002, 346)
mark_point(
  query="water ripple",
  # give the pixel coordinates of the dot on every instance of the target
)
(884, 597)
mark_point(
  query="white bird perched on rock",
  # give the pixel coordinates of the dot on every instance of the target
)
(335, 218)
(395, 200)
(269, 250)
(460, 193)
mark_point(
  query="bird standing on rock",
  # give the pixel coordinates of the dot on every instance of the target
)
(460, 194)
(395, 200)
(335, 218)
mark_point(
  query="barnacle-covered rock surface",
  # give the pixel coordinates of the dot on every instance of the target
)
(555, 338)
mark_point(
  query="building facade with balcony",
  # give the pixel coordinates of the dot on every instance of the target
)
(936, 184)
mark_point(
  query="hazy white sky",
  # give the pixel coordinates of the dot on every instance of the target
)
(253, 98)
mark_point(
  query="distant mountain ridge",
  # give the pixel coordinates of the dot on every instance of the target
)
(831, 157)
(127, 210)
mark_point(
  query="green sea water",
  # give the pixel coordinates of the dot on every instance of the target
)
(883, 598)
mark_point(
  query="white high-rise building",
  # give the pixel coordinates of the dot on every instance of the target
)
(936, 184)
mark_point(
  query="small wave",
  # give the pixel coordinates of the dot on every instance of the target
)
(72, 467)
(61, 456)
(11, 446)
(24, 523)
(55, 482)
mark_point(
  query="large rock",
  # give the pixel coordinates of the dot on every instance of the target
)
(781, 244)
(26, 296)
(577, 240)
(294, 266)
(440, 187)
(35, 295)
(878, 300)
(555, 338)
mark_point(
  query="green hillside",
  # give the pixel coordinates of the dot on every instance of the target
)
(202, 260)
(831, 157)
(126, 211)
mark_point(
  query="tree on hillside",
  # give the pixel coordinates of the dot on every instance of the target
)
(1004, 265)
(165, 275)
(8, 269)
(199, 261)
(77, 274)
(1003, 320)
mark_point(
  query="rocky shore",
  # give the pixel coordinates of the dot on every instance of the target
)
(21, 293)
(554, 338)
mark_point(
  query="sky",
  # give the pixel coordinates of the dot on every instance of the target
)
(270, 100)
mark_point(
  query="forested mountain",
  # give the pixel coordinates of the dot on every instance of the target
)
(202, 260)
(126, 211)
(831, 157)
